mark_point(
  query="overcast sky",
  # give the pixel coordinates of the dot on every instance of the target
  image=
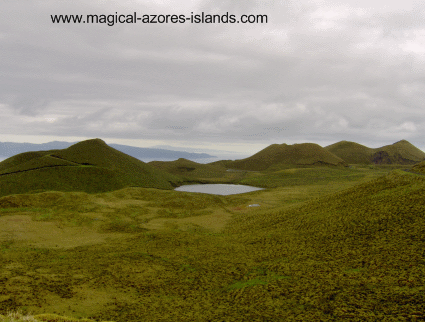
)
(317, 71)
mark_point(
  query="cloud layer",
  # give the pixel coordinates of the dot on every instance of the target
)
(318, 71)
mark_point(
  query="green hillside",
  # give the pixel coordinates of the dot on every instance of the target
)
(190, 169)
(90, 166)
(401, 152)
(221, 163)
(42, 161)
(305, 154)
(351, 152)
(419, 167)
(20, 159)
(355, 255)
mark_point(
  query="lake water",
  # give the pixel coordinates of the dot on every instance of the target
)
(218, 189)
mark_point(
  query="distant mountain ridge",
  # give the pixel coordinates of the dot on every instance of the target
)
(8, 149)
(401, 152)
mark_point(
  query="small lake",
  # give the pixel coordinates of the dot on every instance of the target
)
(218, 189)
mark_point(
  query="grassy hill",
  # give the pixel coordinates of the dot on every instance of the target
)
(401, 152)
(364, 244)
(8, 149)
(190, 169)
(305, 154)
(90, 166)
(351, 152)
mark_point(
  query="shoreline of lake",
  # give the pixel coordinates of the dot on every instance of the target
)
(217, 189)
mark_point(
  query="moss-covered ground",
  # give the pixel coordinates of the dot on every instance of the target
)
(324, 245)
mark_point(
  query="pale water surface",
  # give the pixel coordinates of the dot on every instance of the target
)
(218, 189)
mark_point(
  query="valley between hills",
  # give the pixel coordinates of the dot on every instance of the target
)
(89, 233)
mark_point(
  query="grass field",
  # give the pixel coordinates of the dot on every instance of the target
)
(326, 244)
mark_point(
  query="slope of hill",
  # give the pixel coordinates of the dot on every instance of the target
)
(401, 152)
(20, 159)
(419, 167)
(351, 152)
(8, 149)
(90, 166)
(159, 154)
(305, 154)
(187, 168)
(366, 242)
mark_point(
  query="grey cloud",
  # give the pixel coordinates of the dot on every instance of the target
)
(321, 72)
